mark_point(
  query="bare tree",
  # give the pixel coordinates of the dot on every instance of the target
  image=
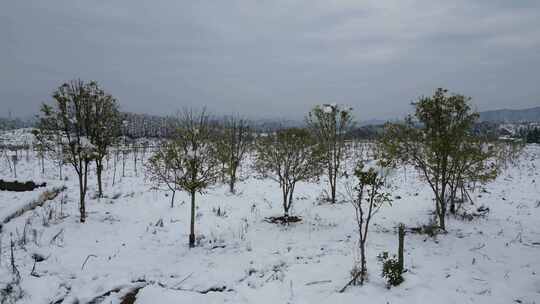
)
(329, 124)
(287, 156)
(233, 145)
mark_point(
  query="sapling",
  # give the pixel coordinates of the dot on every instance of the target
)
(367, 197)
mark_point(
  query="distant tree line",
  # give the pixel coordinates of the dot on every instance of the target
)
(531, 134)
(16, 123)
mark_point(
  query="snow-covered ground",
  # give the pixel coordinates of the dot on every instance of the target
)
(134, 238)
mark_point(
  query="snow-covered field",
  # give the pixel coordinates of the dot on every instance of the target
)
(134, 238)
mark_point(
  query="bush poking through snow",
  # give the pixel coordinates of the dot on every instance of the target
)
(219, 212)
(283, 220)
(391, 269)
(431, 229)
(11, 293)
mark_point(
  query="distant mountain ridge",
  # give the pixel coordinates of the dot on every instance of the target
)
(511, 116)
(154, 122)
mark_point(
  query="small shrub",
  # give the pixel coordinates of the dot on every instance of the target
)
(219, 212)
(356, 275)
(11, 293)
(431, 229)
(283, 220)
(391, 269)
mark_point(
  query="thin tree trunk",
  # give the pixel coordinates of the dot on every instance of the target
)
(331, 183)
(333, 186)
(441, 214)
(192, 224)
(291, 191)
(114, 169)
(123, 164)
(99, 170)
(285, 191)
(232, 181)
(172, 198)
(135, 160)
(363, 263)
(82, 210)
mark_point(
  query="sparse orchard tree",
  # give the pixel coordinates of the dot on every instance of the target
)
(234, 143)
(329, 124)
(162, 168)
(104, 127)
(54, 151)
(68, 120)
(287, 156)
(437, 141)
(196, 159)
(475, 164)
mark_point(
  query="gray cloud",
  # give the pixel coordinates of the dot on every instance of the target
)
(272, 58)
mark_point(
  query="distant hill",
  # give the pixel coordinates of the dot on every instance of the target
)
(511, 116)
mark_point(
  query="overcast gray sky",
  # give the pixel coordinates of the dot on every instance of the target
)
(272, 58)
